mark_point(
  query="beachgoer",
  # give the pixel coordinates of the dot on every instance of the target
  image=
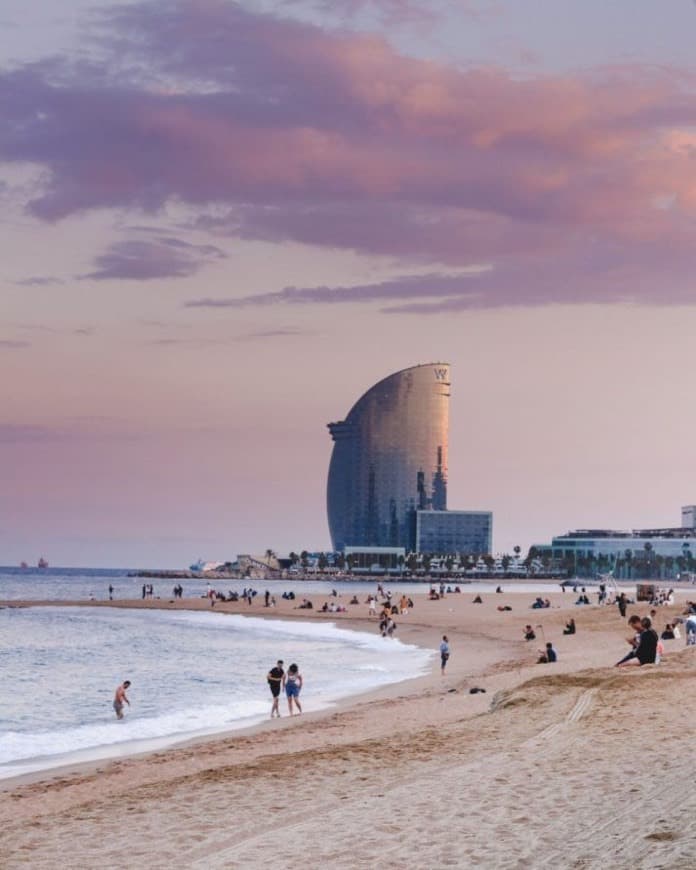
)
(548, 655)
(645, 652)
(275, 679)
(634, 623)
(292, 683)
(647, 649)
(120, 698)
(621, 602)
(570, 627)
(111, 592)
(529, 633)
(444, 654)
(478, 600)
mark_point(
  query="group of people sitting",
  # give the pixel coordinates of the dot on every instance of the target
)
(332, 608)
(540, 603)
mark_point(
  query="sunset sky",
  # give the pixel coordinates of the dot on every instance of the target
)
(222, 222)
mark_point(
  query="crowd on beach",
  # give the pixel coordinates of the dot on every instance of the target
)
(646, 644)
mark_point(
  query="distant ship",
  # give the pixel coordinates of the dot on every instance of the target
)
(43, 563)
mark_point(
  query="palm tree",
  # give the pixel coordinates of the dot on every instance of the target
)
(647, 546)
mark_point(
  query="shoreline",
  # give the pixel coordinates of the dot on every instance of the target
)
(415, 632)
(394, 770)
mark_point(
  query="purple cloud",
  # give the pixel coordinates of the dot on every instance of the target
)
(21, 433)
(38, 281)
(572, 187)
(281, 332)
(145, 260)
(410, 286)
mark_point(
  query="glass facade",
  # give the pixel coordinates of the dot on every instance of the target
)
(390, 459)
(467, 532)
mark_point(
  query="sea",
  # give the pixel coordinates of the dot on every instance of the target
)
(192, 673)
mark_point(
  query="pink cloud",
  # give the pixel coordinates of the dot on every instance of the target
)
(334, 139)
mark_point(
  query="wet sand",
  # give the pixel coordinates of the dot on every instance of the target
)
(575, 764)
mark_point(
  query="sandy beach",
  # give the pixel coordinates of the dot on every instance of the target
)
(570, 765)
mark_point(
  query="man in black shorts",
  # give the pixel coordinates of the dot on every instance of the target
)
(275, 680)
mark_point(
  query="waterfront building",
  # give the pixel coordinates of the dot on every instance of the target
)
(390, 459)
(662, 552)
(374, 560)
(463, 532)
(643, 543)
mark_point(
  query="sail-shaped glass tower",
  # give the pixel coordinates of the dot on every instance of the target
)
(390, 459)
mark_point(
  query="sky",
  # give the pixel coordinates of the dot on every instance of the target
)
(223, 222)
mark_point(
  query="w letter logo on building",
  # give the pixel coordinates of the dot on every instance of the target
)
(440, 374)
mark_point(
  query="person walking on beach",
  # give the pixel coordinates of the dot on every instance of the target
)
(275, 679)
(292, 683)
(120, 697)
(621, 603)
(444, 654)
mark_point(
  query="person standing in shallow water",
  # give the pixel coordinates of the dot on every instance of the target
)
(292, 683)
(120, 697)
(444, 654)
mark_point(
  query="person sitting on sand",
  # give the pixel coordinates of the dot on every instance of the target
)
(646, 652)
(538, 604)
(570, 627)
(354, 600)
(477, 600)
(668, 633)
(529, 633)
(690, 628)
(634, 624)
(548, 655)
